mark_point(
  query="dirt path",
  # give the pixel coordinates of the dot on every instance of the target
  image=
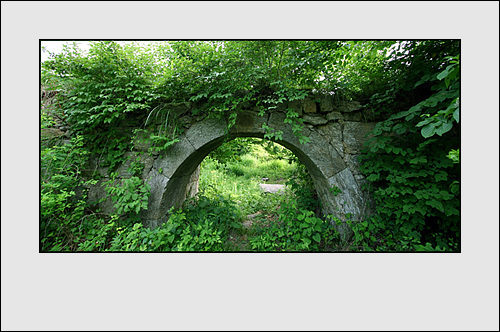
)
(240, 240)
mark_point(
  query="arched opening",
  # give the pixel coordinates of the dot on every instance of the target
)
(267, 186)
(178, 187)
(338, 191)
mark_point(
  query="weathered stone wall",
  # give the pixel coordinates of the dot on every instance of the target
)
(337, 136)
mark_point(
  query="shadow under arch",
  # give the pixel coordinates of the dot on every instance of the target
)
(172, 175)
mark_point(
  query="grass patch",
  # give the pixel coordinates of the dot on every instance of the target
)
(253, 159)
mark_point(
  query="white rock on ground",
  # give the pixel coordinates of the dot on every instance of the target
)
(272, 188)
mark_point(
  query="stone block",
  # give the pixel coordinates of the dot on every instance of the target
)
(297, 106)
(141, 141)
(147, 161)
(355, 135)
(353, 161)
(353, 116)
(333, 116)
(97, 192)
(205, 131)
(277, 121)
(326, 104)
(309, 106)
(51, 132)
(349, 199)
(323, 155)
(158, 183)
(315, 119)
(193, 185)
(176, 110)
(332, 133)
(249, 122)
(174, 157)
(361, 180)
(348, 106)
(96, 168)
(122, 170)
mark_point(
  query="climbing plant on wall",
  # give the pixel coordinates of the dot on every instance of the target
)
(115, 93)
(114, 84)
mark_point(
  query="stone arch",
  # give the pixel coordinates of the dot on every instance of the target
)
(172, 175)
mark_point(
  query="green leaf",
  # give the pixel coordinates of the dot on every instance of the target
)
(421, 159)
(445, 127)
(441, 176)
(377, 131)
(397, 150)
(401, 114)
(436, 204)
(316, 237)
(456, 115)
(416, 108)
(396, 127)
(428, 130)
(443, 74)
(421, 210)
(373, 177)
(424, 122)
(401, 130)
(445, 195)
(450, 211)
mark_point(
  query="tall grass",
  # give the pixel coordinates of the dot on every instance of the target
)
(237, 178)
(215, 181)
(255, 161)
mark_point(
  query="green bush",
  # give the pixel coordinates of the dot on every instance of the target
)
(412, 178)
(294, 230)
(62, 209)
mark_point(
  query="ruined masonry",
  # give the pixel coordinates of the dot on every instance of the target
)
(337, 135)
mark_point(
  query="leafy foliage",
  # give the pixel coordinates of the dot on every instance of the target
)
(114, 88)
(61, 207)
(414, 182)
(130, 197)
(203, 226)
(98, 91)
(301, 231)
(116, 95)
